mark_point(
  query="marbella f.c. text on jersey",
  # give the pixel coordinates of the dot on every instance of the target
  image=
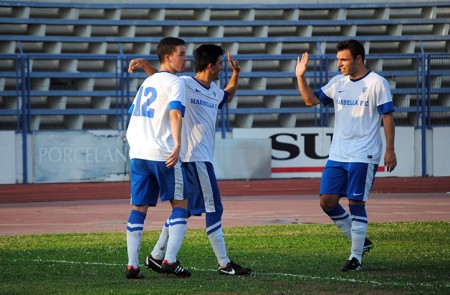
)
(358, 106)
(198, 133)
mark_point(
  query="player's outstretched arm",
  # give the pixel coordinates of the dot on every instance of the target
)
(232, 84)
(141, 63)
(306, 92)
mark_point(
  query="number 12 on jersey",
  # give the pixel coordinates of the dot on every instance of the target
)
(141, 105)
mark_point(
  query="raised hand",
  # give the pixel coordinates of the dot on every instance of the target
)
(234, 63)
(136, 63)
(300, 68)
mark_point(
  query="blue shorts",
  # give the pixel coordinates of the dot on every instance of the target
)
(150, 179)
(353, 180)
(201, 188)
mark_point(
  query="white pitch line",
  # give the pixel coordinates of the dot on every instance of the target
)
(447, 285)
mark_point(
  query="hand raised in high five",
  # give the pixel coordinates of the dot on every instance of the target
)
(300, 68)
(234, 64)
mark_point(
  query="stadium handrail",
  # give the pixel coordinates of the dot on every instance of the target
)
(227, 23)
(230, 6)
(240, 92)
(286, 39)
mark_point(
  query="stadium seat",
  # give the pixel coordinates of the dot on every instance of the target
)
(87, 46)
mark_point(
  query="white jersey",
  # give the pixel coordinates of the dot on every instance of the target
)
(358, 106)
(149, 134)
(199, 123)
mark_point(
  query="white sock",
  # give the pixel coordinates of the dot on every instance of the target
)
(345, 225)
(159, 250)
(133, 247)
(217, 240)
(135, 227)
(359, 230)
(341, 219)
(177, 231)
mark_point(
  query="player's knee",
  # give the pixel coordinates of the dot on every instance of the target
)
(328, 202)
(140, 208)
(324, 206)
(179, 204)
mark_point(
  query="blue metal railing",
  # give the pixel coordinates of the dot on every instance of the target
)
(422, 70)
(25, 125)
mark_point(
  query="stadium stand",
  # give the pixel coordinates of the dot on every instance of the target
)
(63, 65)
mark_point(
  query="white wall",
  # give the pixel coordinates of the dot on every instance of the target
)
(440, 151)
(252, 157)
(304, 161)
(242, 158)
(8, 157)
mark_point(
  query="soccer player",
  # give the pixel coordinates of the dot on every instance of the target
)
(203, 99)
(154, 136)
(362, 100)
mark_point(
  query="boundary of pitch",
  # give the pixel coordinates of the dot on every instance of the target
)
(300, 276)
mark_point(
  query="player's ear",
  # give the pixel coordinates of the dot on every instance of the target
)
(359, 59)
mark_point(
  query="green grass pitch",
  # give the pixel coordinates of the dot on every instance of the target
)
(408, 258)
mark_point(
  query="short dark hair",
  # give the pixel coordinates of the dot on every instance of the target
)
(167, 46)
(355, 47)
(206, 54)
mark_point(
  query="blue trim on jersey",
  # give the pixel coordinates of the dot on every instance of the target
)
(356, 80)
(176, 105)
(131, 109)
(207, 88)
(225, 98)
(386, 108)
(324, 99)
